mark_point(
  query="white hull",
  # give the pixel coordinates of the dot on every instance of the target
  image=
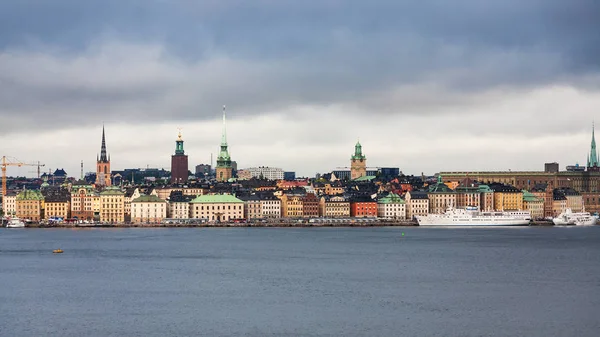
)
(569, 218)
(15, 223)
(472, 217)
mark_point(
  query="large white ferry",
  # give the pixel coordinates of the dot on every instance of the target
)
(471, 216)
(569, 218)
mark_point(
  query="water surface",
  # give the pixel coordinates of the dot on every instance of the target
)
(300, 282)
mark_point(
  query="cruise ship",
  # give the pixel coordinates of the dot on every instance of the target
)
(569, 218)
(471, 216)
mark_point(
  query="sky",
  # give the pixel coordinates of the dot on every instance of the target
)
(427, 86)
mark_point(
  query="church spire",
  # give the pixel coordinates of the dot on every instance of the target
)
(179, 144)
(103, 157)
(224, 160)
(593, 158)
(224, 132)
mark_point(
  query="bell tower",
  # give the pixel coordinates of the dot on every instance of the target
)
(103, 175)
(179, 163)
(358, 163)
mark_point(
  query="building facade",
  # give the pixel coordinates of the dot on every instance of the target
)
(310, 205)
(9, 203)
(148, 209)
(252, 207)
(507, 198)
(265, 172)
(391, 207)
(179, 163)
(57, 204)
(533, 204)
(291, 205)
(112, 205)
(334, 207)
(417, 204)
(29, 205)
(440, 197)
(363, 207)
(217, 207)
(103, 173)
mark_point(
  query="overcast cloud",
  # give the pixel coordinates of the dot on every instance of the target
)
(426, 85)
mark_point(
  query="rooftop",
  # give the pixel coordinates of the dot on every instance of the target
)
(217, 198)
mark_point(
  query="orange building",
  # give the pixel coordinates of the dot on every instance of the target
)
(363, 207)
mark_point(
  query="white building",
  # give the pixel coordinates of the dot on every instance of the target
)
(148, 209)
(391, 207)
(9, 204)
(179, 209)
(270, 206)
(270, 173)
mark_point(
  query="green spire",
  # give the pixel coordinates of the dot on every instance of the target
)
(224, 160)
(358, 151)
(593, 157)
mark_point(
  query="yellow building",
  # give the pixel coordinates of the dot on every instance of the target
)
(334, 207)
(358, 163)
(57, 204)
(440, 197)
(112, 205)
(291, 205)
(29, 205)
(217, 207)
(334, 188)
(148, 209)
(507, 198)
(9, 203)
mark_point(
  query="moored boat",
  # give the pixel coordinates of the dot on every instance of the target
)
(15, 223)
(471, 216)
(569, 218)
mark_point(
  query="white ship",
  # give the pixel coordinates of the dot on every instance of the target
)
(471, 216)
(15, 223)
(569, 218)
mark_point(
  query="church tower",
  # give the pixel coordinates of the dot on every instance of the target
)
(224, 170)
(179, 163)
(103, 177)
(358, 163)
(592, 162)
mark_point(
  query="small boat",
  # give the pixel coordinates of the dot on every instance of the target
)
(57, 251)
(15, 223)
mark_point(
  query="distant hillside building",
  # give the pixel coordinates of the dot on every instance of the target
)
(179, 163)
(265, 172)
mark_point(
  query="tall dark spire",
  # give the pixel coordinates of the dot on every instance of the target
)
(103, 157)
(593, 155)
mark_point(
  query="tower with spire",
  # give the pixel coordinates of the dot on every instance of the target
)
(179, 163)
(592, 160)
(103, 175)
(358, 163)
(224, 171)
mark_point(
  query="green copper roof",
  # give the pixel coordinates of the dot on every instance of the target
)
(358, 152)
(148, 198)
(530, 197)
(439, 187)
(391, 198)
(365, 178)
(224, 160)
(216, 198)
(485, 189)
(30, 195)
(112, 191)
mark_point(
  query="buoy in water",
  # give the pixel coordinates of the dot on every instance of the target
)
(57, 251)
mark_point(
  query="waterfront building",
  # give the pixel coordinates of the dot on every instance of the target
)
(217, 207)
(264, 172)
(533, 204)
(179, 205)
(334, 206)
(358, 163)
(9, 203)
(507, 197)
(57, 203)
(574, 199)
(468, 194)
(310, 205)
(131, 194)
(179, 163)
(486, 197)
(224, 169)
(591, 201)
(391, 207)
(112, 205)
(148, 209)
(417, 204)
(103, 173)
(270, 206)
(363, 206)
(440, 197)
(545, 192)
(29, 205)
(291, 205)
(252, 207)
(559, 204)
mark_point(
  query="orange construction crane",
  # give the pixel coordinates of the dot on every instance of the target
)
(10, 162)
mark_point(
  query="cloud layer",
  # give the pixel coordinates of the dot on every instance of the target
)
(427, 86)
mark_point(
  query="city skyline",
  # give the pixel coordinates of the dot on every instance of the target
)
(427, 87)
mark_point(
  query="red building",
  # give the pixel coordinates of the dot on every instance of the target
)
(310, 205)
(179, 164)
(363, 207)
